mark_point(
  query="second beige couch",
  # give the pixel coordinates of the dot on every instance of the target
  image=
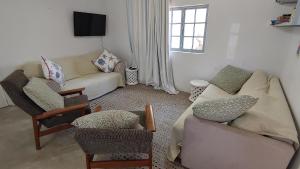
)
(80, 72)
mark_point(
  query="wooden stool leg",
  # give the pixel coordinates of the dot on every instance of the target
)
(150, 159)
(88, 158)
(98, 108)
(36, 130)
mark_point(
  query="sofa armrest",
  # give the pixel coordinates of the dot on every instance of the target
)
(120, 68)
(208, 144)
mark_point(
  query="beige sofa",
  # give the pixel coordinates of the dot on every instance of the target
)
(80, 72)
(264, 137)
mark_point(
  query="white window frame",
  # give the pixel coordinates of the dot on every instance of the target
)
(183, 9)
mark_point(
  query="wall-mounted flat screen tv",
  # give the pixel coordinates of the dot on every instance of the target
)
(88, 24)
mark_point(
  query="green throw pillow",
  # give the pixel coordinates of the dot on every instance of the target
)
(40, 93)
(112, 119)
(231, 79)
(224, 109)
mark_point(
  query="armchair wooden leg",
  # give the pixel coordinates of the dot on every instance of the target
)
(88, 158)
(150, 159)
(36, 130)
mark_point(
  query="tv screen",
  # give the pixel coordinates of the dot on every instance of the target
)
(87, 24)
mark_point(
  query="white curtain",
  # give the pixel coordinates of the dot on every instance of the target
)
(149, 41)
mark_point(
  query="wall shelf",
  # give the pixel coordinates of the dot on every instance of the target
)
(286, 25)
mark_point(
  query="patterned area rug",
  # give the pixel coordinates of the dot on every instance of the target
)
(167, 108)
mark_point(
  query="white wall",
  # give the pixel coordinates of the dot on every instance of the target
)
(257, 43)
(33, 28)
(117, 39)
(290, 77)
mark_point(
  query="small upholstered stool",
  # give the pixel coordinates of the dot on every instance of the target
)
(118, 141)
(198, 86)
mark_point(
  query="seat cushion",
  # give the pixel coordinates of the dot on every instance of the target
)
(96, 84)
(111, 119)
(68, 117)
(231, 79)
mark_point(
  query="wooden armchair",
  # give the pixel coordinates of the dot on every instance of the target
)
(119, 141)
(55, 120)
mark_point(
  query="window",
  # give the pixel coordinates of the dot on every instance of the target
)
(188, 28)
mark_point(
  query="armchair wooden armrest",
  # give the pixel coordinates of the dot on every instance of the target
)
(71, 92)
(56, 112)
(150, 124)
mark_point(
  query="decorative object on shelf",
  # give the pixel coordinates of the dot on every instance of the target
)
(288, 20)
(132, 76)
(198, 86)
(282, 19)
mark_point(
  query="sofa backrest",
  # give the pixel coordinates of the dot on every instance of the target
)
(256, 85)
(73, 66)
(271, 115)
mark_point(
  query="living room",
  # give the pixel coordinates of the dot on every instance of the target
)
(171, 81)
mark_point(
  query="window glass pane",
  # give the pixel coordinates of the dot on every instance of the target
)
(198, 44)
(188, 29)
(188, 43)
(201, 15)
(190, 16)
(177, 16)
(199, 29)
(175, 42)
(176, 30)
(170, 16)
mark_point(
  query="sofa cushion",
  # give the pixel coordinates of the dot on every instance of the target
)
(84, 64)
(224, 109)
(33, 69)
(96, 84)
(231, 79)
(213, 92)
(43, 95)
(106, 62)
(257, 85)
(111, 119)
(69, 67)
(52, 71)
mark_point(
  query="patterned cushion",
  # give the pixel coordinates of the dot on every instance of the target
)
(106, 62)
(224, 109)
(231, 79)
(40, 93)
(112, 119)
(52, 71)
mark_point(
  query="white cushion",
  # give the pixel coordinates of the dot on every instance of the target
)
(106, 62)
(52, 71)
